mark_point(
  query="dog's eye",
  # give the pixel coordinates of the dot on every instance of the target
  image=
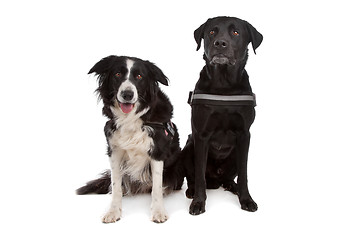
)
(139, 77)
(235, 33)
(212, 32)
(118, 75)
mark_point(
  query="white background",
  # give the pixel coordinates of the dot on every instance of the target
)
(304, 154)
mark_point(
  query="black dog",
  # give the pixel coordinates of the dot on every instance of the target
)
(143, 144)
(222, 113)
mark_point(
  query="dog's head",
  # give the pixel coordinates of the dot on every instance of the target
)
(126, 82)
(226, 40)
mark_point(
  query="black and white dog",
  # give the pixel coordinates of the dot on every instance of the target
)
(222, 113)
(143, 143)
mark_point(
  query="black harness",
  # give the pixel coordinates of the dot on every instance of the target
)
(168, 127)
(221, 100)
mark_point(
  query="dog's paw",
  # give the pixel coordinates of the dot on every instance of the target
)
(190, 193)
(248, 205)
(231, 187)
(159, 216)
(196, 207)
(112, 216)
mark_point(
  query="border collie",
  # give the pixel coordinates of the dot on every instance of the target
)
(143, 143)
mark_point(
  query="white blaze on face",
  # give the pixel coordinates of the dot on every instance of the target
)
(127, 105)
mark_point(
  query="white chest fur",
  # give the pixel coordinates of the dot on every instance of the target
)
(131, 144)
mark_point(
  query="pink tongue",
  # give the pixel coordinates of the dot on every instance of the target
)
(126, 107)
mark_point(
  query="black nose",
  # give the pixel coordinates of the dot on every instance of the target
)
(220, 43)
(127, 95)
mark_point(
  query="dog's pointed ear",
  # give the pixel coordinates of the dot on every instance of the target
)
(255, 37)
(199, 35)
(157, 74)
(103, 65)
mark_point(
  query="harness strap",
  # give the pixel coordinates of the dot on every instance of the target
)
(168, 127)
(221, 100)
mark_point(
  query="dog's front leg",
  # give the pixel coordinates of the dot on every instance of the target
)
(242, 149)
(114, 212)
(158, 213)
(201, 152)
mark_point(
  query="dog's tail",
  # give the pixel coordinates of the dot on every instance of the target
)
(102, 185)
(99, 186)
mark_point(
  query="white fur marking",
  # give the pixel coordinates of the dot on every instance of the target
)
(134, 140)
(129, 65)
(158, 213)
(130, 144)
(127, 85)
(114, 212)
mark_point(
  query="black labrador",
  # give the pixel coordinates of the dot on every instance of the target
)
(222, 112)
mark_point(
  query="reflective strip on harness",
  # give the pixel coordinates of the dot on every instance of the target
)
(222, 100)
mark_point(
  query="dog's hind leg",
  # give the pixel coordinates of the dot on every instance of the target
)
(242, 148)
(212, 183)
(231, 187)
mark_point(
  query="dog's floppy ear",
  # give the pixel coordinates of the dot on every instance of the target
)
(199, 35)
(156, 73)
(255, 37)
(103, 65)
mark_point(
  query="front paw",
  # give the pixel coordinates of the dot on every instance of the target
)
(112, 216)
(197, 207)
(159, 216)
(248, 205)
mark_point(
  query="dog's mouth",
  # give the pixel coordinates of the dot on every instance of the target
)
(126, 107)
(221, 59)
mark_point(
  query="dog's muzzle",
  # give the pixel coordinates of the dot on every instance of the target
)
(221, 59)
(126, 101)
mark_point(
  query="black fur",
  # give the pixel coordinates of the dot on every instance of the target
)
(99, 186)
(217, 150)
(166, 147)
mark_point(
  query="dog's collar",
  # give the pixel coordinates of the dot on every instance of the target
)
(222, 100)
